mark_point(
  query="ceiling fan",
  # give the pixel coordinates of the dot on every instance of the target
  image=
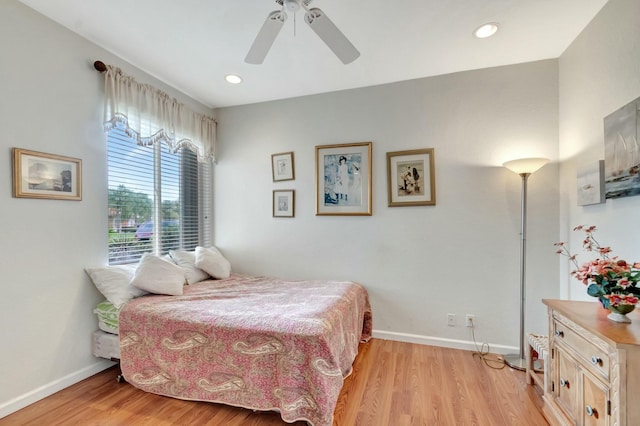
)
(315, 18)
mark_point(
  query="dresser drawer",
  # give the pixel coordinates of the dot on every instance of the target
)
(597, 360)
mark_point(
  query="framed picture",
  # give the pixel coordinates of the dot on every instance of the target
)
(343, 179)
(411, 178)
(591, 184)
(40, 175)
(282, 166)
(284, 203)
(622, 151)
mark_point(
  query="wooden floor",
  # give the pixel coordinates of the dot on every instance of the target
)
(393, 383)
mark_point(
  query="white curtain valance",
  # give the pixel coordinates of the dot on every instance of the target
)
(151, 116)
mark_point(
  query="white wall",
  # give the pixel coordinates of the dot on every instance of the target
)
(418, 263)
(50, 100)
(599, 73)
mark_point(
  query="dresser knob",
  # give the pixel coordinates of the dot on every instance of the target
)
(590, 411)
(559, 333)
(564, 383)
(596, 361)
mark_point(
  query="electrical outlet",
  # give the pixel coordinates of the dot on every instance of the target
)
(451, 320)
(469, 320)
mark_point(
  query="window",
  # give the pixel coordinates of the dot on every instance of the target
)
(158, 200)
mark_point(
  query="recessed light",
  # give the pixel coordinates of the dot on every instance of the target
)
(233, 78)
(486, 30)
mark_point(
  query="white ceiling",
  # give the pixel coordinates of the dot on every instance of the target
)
(192, 44)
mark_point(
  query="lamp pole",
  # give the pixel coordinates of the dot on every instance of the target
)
(523, 167)
(518, 361)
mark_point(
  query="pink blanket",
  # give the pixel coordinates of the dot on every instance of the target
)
(252, 342)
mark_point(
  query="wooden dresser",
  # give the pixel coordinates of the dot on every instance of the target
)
(594, 366)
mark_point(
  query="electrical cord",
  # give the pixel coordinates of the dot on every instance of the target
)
(483, 352)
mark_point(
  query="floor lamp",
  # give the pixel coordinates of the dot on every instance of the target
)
(524, 167)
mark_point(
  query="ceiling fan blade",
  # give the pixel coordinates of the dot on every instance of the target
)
(265, 38)
(331, 35)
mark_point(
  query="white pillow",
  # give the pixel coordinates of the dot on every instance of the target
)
(158, 276)
(212, 262)
(114, 283)
(187, 261)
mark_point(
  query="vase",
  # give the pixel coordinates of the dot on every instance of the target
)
(619, 313)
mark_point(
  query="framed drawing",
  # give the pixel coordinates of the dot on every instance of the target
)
(283, 203)
(282, 166)
(591, 184)
(411, 178)
(622, 151)
(40, 175)
(343, 179)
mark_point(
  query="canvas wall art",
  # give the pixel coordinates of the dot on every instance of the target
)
(591, 184)
(622, 151)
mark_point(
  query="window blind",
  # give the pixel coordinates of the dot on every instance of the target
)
(158, 200)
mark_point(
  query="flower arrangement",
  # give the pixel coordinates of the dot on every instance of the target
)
(613, 281)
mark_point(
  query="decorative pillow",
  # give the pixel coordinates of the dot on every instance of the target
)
(212, 262)
(114, 283)
(187, 261)
(158, 276)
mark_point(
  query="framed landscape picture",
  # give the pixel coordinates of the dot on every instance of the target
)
(343, 179)
(41, 175)
(411, 178)
(284, 203)
(282, 166)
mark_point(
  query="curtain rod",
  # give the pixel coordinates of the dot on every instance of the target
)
(100, 66)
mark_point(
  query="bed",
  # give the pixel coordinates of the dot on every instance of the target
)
(252, 342)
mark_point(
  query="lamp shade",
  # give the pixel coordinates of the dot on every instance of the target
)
(525, 165)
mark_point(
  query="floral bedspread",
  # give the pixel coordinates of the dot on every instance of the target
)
(252, 342)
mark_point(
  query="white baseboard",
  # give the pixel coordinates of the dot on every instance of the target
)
(466, 345)
(35, 395)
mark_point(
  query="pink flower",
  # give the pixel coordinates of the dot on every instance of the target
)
(624, 283)
(632, 300)
(614, 299)
(604, 250)
(582, 274)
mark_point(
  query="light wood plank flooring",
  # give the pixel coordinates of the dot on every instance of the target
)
(393, 383)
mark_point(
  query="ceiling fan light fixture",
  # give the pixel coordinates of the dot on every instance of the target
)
(486, 30)
(233, 78)
(292, 5)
